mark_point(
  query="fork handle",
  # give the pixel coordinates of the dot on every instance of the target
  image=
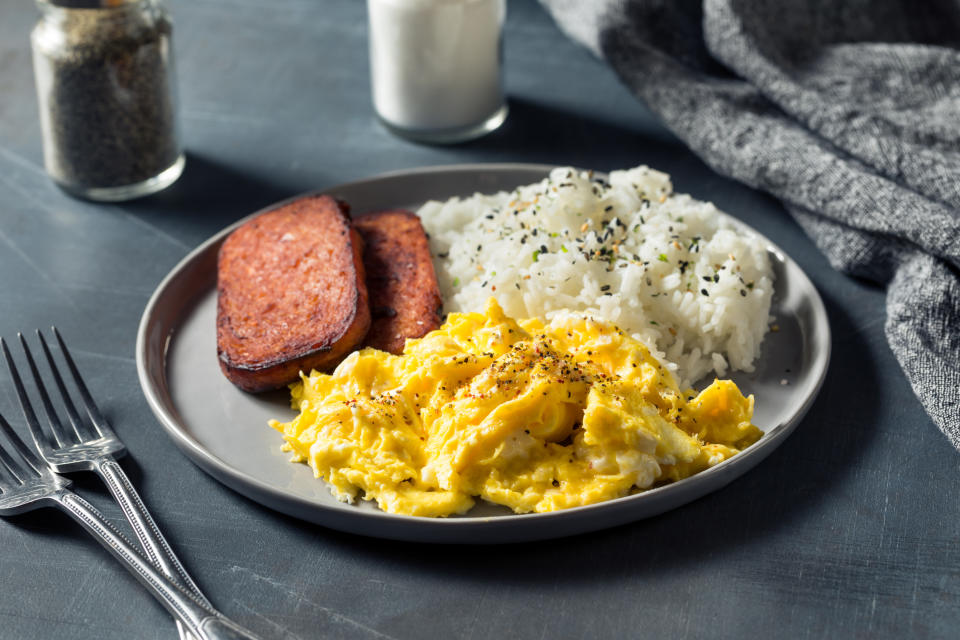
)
(157, 549)
(203, 621)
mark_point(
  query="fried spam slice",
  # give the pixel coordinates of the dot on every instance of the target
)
(404, 296)
(291, 294)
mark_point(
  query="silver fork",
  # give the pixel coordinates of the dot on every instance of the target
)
(27, 483)
(92, 446)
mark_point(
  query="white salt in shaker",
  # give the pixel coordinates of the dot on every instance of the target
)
(436, 67)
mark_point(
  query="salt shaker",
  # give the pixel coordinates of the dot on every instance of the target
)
(436, 67)
(107, 96)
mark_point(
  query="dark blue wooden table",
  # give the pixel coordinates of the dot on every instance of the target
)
(850, 529)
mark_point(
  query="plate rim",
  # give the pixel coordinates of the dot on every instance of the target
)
(472, 529)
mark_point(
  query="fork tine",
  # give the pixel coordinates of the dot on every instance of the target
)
(80, 428)
(21, 472)
(60, 434)
(39, 436)
(88, 402)
(7, 476)
(7, 465)
(10, 472)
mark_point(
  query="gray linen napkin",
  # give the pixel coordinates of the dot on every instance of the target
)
(849, 112)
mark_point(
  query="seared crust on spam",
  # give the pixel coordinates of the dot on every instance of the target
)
(404, 297)
(291, 294)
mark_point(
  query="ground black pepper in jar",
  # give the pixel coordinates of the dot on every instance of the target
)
(107, 95)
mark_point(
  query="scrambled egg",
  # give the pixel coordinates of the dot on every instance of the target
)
(531, 415)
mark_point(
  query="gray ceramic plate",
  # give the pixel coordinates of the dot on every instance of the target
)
(225, 432)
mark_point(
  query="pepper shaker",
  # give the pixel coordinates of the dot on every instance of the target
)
(436, 67)
(107, 96)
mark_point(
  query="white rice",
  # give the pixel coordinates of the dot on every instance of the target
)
(664, 267)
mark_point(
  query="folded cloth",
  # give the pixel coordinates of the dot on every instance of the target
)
(849, 112)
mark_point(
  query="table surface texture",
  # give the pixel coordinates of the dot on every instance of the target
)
(851, 529)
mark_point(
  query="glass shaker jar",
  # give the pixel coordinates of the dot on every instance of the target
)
(436, 67)
(107, 95)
